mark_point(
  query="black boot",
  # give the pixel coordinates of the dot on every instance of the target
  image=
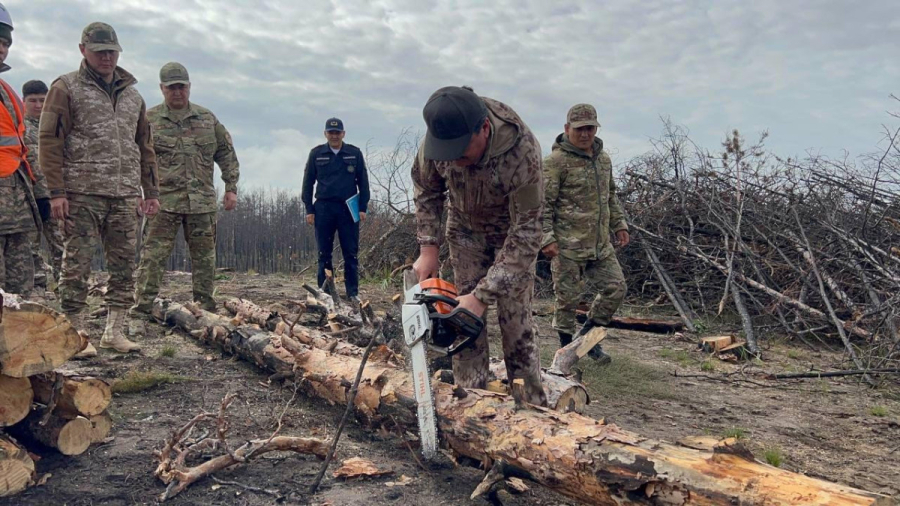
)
(564, 339)
(596, 352)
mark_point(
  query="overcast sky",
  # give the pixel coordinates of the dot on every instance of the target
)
(816, 74)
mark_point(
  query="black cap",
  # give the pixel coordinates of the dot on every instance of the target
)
(334, 125)
(34, 87)
(452, 114)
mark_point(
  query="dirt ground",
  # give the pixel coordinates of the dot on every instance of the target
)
(660, 386)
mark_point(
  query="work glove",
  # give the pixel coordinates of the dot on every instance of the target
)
(44, 208)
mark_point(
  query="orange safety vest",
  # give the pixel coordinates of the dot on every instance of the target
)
(12, 132)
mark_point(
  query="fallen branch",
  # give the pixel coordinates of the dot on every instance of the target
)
(172, 469)
(832, 374)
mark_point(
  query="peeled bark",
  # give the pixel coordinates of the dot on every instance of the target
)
(35, 339)
(563, 394)
(69, 436)
(16, 467)
(577, 456)
(77, 395)
(15, 400)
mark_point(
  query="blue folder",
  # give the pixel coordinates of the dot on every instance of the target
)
(353, 205)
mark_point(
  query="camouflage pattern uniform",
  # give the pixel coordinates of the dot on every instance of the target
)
(186, 144)
(51, 229)
(581, 208)
(19, 217)
(96, 150)
(494, 233)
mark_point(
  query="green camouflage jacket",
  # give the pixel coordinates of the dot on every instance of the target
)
(31, 141)
(186, 147)
(581, 206)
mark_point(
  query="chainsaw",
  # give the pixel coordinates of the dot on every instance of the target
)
(433, 326)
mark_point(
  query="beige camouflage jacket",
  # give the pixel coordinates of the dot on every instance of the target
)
(581, 206)
(186, 148)
(94, 141)
(502, 195)
(31, 141)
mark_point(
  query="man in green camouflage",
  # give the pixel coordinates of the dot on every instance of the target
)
(97, 155)
(580, 210)
(34, 93)
(187, 139)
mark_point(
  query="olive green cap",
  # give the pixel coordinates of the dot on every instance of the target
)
(173, 73)
(100, 37)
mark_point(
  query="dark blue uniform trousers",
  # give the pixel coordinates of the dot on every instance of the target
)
(333, 216)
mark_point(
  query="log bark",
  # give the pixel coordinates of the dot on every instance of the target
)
(77, 395)
(69, 436)
(577, 456)
(16, 467)
(563, 394)
(15, 400)
(35, 339)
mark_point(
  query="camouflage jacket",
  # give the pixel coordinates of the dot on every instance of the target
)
(186, 147)
(96, 141)
(501, 195)
(18, 210)
(581, 206)
(31, 141)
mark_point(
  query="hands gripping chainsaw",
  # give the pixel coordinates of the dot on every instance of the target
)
(432, 322)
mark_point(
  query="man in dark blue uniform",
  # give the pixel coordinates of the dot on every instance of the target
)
(338, 173)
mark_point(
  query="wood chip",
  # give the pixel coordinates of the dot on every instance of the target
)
(357, 467)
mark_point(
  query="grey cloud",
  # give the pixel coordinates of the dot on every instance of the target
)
(817, 75)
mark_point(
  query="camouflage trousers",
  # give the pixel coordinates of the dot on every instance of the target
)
(16, 266)
(113, 223)
(573, 280)
(55, 244)
(158, 241)
(471, 255)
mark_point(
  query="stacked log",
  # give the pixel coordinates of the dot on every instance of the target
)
(58, 409)
(577, 456)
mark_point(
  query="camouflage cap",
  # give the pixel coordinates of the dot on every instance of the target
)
(100, 37)
(582, 115)
(173, 73)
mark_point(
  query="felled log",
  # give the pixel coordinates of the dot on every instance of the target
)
(69, 436)
(35, 339)
(16, 467)
(75, 395)
(577, 456)
(563, 394)
(640, 324)
(252, 313)
(15, 400)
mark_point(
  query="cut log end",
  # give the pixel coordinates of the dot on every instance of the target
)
(16, 467)
(15, 400)
(101, 426)
(35, 339)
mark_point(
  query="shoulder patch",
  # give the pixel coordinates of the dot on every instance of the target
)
(528, 197)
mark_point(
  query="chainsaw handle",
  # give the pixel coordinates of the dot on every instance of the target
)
(430, 297)
(469, 325)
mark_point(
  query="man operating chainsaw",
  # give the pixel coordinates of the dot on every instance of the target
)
(481, 153)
